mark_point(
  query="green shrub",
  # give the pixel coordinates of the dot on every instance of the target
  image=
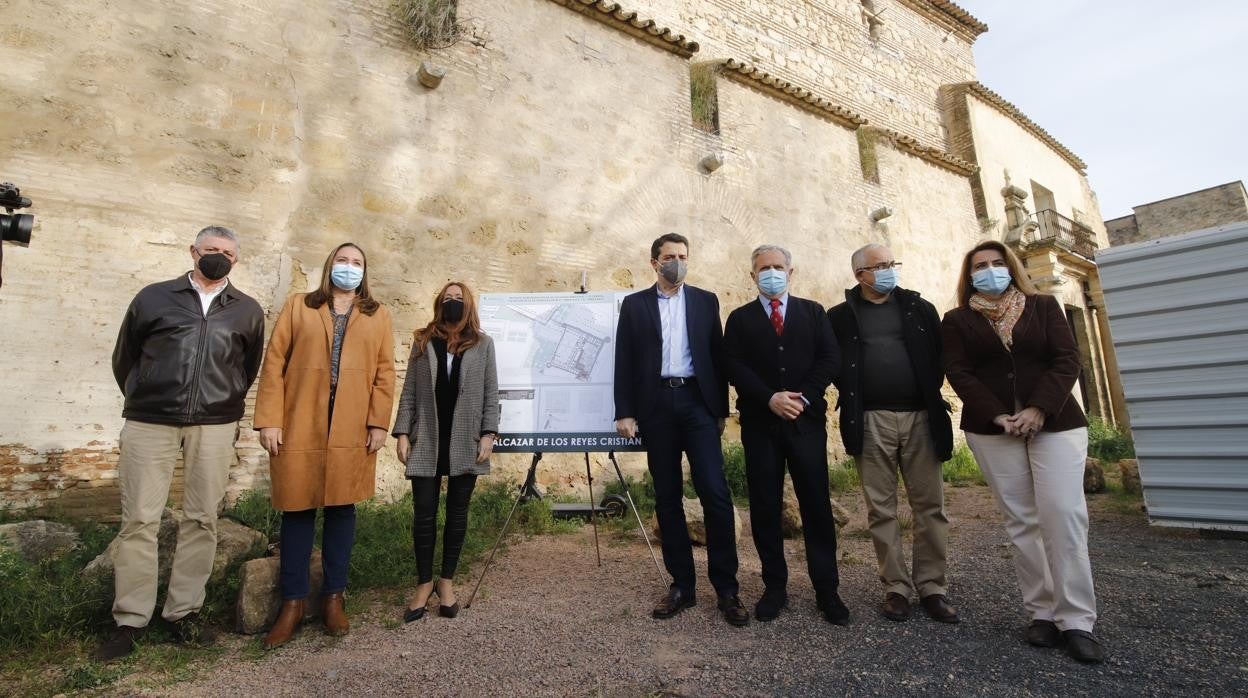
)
(734, 472)
(1106, 443)
(253, 510)
(961, 469)
(843, 476)
(45, 605)
(641, 491)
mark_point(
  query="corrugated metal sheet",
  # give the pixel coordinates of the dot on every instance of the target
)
(1178, 312)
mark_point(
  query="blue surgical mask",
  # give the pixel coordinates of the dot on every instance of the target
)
(885, 281)
(346, 276)
(773, 282)
(991, 280)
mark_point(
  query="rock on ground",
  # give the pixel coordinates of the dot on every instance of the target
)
(1093, 477)
(234, 542)
(695, 519)
(260, 598)
(1130, 468)
(39, 540)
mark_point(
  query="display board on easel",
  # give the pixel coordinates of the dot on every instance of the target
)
(556, 365)
(556, 369)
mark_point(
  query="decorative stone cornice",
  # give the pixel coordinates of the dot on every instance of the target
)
(787, 91)
(930, 153)
(949, 14)
(806, 100)
(1000, 104)
(611, 14)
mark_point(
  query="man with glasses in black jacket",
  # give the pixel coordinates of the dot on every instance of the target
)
(893, 418)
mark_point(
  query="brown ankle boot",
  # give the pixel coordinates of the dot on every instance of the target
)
(287, 623)
(334, 615)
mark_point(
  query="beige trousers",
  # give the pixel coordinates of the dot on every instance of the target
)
(894, 441)
(144, 472)
(1039, 489)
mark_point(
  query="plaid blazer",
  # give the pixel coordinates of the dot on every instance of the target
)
(476, 411)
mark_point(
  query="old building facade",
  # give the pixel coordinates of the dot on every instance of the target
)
(1198, 210)
(564, 136)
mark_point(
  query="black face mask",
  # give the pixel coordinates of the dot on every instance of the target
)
(453, 310)
(215, 266)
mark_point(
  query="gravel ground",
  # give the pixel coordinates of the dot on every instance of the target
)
(550, 622)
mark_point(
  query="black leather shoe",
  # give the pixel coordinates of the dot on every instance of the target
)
(734, 611)
(121, 644)
(191, 630)
(834, 610)
(673, 602)
(895, 607)
(770, 605)
(939, 609)
(413, 614)
(449, 611)
(1042, 633)
(1083, 646)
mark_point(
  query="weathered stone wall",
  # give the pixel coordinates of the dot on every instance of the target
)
(555, 144)
(1000, 146)
(1122, 230)
(1207, 208)
(826, 46)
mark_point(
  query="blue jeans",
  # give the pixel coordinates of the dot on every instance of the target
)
(337, 537)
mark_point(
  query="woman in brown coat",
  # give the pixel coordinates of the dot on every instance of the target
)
(323, 409)
(1010, 355)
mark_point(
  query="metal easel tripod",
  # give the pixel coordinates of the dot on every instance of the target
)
(528, 490)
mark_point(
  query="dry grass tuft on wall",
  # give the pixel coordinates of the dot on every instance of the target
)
(430, 24)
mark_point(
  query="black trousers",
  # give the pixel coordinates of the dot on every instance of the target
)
(770, 446)
(680, 423)
(425, 492)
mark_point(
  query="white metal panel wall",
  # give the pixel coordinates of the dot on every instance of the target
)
(1178, 312)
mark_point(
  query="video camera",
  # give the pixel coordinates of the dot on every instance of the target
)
(14, 227)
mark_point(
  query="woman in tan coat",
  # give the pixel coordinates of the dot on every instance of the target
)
(322, 410)
(448, 415)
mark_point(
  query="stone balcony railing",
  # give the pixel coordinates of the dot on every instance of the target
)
(1056, 230)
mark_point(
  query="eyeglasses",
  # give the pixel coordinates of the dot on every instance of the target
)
(879, 267)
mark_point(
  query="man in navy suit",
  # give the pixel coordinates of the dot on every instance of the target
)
(781, 354)
(670, 387)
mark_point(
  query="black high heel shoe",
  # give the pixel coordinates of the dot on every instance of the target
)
(413, 614)
(448, 611)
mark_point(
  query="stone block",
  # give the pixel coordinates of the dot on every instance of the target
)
(1130, 469)
(39, 540)
(695, 520)
(259, 595)
(1093, 477)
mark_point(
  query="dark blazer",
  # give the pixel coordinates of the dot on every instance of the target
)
(759, 363)
(1040, 371)
(921, 333)
(639, 351)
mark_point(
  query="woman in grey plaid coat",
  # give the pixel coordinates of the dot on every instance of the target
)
(447, 420)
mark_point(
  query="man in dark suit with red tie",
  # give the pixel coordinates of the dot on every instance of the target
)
(670, 387)
(781, 354)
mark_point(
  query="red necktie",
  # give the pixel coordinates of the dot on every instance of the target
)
(777, 320)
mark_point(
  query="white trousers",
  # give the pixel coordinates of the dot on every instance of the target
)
(1039, 489)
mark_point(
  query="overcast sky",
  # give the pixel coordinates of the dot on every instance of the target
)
(1152, 94)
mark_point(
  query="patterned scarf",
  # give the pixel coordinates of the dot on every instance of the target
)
(1002, 312)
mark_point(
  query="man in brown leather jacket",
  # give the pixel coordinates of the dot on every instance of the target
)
(186, 355)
